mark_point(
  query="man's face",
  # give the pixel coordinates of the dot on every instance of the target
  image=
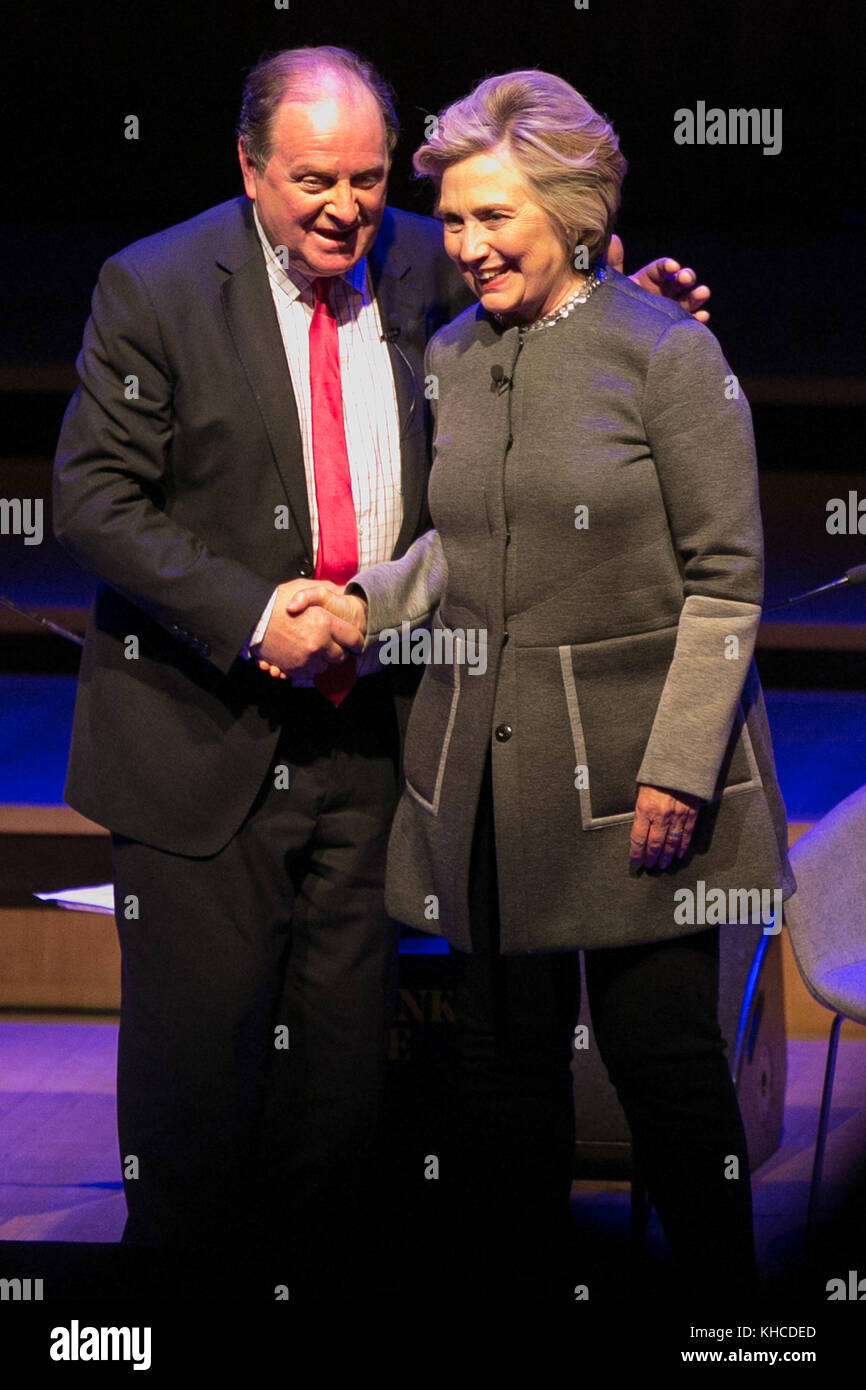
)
(323, 191)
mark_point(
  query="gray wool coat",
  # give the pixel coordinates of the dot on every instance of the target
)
(594, 586)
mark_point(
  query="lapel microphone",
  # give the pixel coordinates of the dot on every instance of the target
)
(501, 382)
(393, 330)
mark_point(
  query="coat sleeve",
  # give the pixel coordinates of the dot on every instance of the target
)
(699, 430)
(112, 474)
(406, 590)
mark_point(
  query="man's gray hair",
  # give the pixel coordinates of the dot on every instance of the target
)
(302, 74)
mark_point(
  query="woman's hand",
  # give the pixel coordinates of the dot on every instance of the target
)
(662, 826)
(349, 607)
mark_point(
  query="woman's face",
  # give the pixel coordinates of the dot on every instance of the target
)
(505, 246)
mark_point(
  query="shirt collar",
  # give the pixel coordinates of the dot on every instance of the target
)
(294, 282)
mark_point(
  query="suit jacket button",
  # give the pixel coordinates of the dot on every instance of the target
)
(305, 569)
(504, 732)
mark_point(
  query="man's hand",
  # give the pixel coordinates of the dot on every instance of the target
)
(304, 643)
(662, 827)
(666, 277)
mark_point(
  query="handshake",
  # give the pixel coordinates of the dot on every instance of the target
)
(313, 624)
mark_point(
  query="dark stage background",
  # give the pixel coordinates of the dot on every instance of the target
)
(779, 238)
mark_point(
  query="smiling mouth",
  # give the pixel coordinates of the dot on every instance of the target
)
(485, 278)
(328, 235)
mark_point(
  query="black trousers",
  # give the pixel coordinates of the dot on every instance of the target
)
(655, 1019)
(257, 986)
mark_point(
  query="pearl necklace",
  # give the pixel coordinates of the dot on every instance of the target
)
(562, 311)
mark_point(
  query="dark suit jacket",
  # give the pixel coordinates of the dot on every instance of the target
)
(178, 453)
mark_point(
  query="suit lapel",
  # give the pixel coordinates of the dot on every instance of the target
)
(255, 331)
(252, 322)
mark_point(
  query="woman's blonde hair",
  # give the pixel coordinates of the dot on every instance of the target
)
(566, 152)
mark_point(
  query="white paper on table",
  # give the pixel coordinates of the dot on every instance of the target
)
(97, 899)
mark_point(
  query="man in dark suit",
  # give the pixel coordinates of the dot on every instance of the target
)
(247, 377)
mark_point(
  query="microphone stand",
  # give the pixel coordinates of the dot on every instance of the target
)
(855, 575)
(44, 622)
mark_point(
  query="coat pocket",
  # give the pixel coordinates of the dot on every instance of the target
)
(431, 725)
(612, 690)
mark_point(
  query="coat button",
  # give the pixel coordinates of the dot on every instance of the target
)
(305, 569)
(504, 732)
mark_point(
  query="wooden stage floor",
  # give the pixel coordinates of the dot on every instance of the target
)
(60, 1174)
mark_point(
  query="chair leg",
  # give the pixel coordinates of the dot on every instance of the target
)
(823, 1120)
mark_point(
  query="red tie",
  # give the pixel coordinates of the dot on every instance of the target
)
(337, 554)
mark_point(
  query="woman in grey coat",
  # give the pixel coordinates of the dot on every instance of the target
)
(588, 763)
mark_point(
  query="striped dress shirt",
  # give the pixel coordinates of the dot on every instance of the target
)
(370, 413)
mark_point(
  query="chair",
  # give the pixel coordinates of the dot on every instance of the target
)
(826, 920)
